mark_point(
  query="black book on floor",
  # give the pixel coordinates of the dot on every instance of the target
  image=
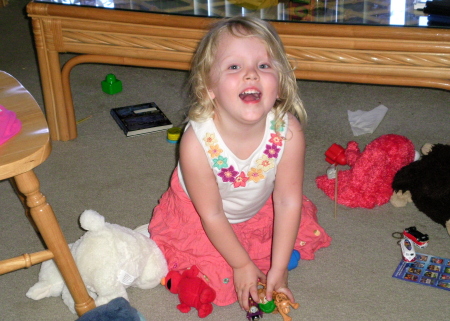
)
(140, 119)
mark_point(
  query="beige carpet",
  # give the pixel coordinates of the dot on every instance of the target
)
(123, 178)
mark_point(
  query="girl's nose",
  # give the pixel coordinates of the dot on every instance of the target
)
(251, 74)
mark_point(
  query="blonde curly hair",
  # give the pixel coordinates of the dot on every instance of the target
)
(202, 106)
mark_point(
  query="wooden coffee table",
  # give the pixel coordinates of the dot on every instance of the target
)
(358, 42)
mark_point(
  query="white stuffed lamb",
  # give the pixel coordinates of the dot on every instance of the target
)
(110, 258)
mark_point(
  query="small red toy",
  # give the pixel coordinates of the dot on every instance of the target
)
(192, 291)
(335, 155)
(419, 239)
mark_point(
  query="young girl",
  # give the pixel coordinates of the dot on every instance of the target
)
(234, 204)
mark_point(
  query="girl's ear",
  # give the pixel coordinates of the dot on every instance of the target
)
(211, 94)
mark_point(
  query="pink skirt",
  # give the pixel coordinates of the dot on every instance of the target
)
(176, 228)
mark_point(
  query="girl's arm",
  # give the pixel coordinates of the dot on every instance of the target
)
(287, 197)
(204, 194)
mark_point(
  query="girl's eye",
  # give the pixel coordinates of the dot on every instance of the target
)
(233, 67)
(264, 66)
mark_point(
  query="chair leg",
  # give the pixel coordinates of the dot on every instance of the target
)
(44, 217)
(23, 201)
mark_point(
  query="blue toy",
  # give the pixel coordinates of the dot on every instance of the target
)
(118, 309)
(293, 262)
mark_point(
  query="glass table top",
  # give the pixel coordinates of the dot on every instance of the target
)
(366, 12)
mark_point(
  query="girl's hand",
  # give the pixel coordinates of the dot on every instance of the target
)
(277, 280)
(246, 283)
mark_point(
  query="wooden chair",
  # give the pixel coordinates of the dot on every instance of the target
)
(18, 157)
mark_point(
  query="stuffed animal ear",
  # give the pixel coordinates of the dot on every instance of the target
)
(91, 220)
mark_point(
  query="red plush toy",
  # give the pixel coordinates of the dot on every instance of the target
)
(192, 291)
(368, 181)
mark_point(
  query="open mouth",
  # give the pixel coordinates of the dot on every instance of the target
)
(250, 95)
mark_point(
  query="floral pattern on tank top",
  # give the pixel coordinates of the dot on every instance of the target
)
(263, 164)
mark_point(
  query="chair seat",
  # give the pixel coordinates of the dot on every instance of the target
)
(31, 146)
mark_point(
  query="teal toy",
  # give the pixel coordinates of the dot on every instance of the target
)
(173, 135)
(111, 85)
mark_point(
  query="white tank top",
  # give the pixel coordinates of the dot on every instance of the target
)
(244, 185)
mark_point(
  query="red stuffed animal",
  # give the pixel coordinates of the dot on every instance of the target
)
(368, 181)
(192, 291)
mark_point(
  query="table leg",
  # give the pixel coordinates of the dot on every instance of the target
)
(44, 217)
(50, 73)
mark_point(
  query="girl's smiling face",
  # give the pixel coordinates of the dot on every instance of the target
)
(243, 80)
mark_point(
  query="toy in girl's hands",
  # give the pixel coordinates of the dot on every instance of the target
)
(254, 312)
(264, 305)
(192, 291)
(368, 182)
(426, 182)
(283, 305)
(279, 304)
(267, 306)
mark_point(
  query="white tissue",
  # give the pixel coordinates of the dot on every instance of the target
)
(365, 122)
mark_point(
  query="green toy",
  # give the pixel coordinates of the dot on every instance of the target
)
(111, 85)
(267, 307)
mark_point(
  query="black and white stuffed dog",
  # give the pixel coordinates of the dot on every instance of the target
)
(426, 182)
